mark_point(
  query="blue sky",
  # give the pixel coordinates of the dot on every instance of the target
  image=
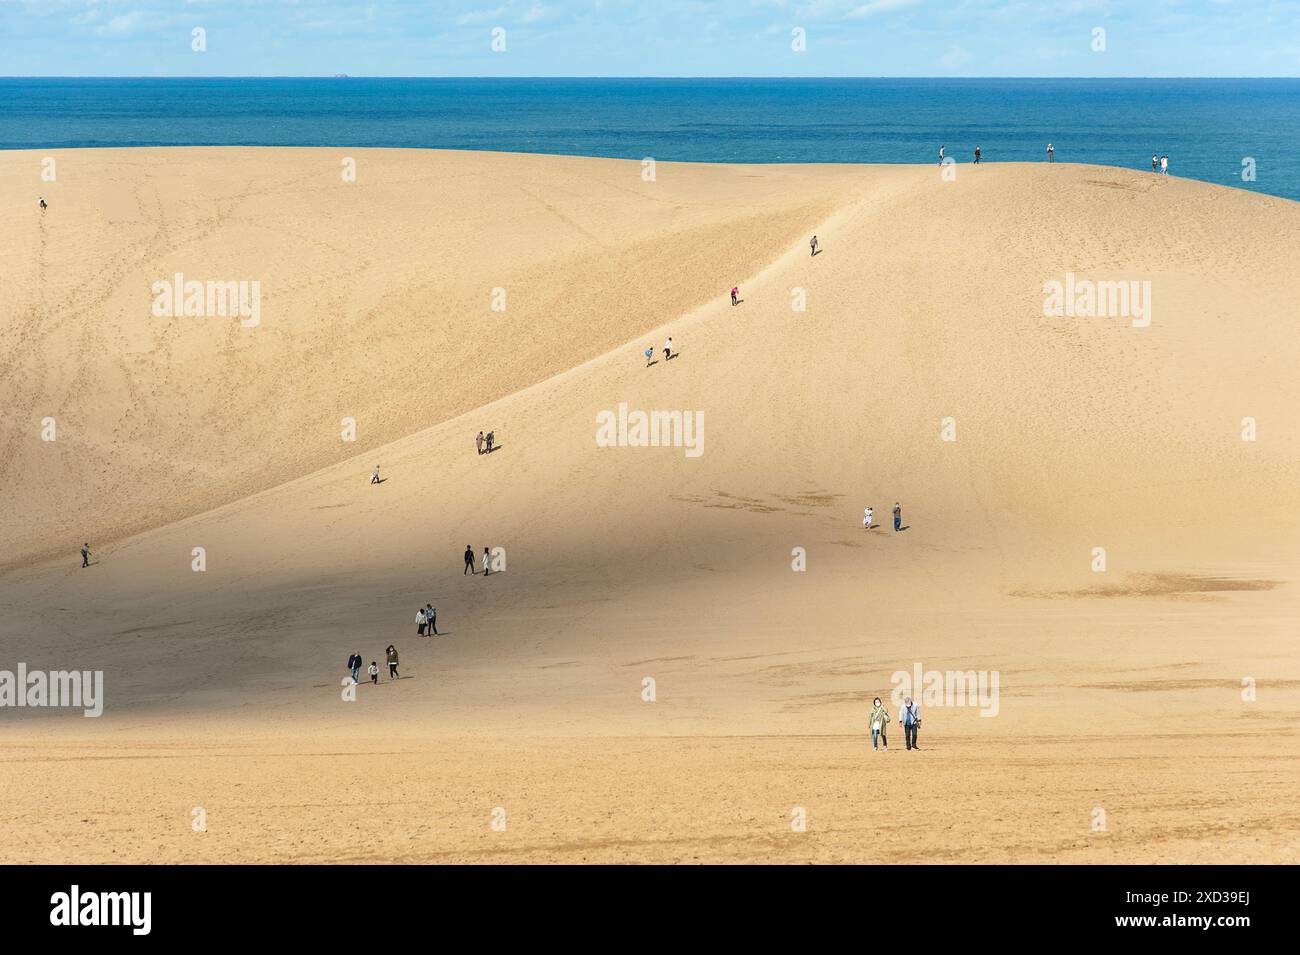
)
(650, 37)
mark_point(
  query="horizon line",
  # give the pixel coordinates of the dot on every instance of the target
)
(369, 76)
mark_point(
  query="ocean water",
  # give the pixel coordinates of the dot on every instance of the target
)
(1208, 127)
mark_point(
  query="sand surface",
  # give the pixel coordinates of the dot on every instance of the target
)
(1120, 690)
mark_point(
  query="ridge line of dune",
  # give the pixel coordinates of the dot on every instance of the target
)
(694, 315)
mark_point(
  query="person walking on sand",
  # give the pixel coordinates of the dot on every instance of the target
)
(85, 555)
(42, 203)
(649, 355)
(910, 717)
(898, 517)
(487, 556)
(431, 615)
(374, 672)
(866, 518)
(391, 653)
(1051, 153)
(478, 442)
(419, 621)
(735, 295)
(1164, 165)
(813, 243)
(354, 664)
(469, 560)
(374, 478)
(491, 439)
(879, 719)
(668, 348)
(977, 155)
(941, 149)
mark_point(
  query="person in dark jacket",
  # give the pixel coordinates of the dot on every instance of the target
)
(431, 616)
(354, 664)
(392, 661)
(469, 560)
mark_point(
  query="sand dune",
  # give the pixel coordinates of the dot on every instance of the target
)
(1120, 690)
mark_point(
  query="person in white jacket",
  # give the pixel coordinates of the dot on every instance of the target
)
(487, 556)
(909, 714)
(866, 518)
(420, 621)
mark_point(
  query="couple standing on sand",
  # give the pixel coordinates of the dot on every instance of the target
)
(469, 561)
(426, 617)
(1160, 165)
(898, 517)
(483, 444)
(909, 714)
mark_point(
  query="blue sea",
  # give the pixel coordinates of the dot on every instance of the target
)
(1208, 127)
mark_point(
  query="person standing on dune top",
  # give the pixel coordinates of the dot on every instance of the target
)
(469, 560)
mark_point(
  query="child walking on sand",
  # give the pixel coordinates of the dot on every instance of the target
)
(374, 672)
(866, 518)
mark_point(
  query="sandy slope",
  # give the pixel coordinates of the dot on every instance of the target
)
(1119, 690)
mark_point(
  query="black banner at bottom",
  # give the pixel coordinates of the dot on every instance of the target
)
(137, 904)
